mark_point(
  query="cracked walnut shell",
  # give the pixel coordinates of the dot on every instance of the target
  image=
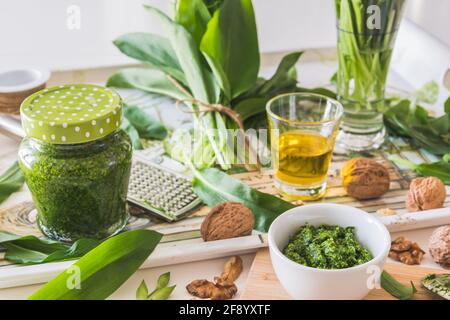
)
(227, 220)
(365, 178)
(425, 194)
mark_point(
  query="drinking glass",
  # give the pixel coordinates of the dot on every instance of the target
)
(303, 129)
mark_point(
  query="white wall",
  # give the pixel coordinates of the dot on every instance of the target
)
(433, 16)
(34, 32)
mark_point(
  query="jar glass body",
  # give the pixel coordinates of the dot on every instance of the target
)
(79, 190)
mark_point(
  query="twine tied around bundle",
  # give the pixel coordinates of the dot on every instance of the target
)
(204, 107)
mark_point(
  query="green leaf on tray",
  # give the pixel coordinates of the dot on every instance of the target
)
(32, 250)
(152, 49)
(102, 270)
(440, 169)
(424, 131)
(148, 80)
(132, 133)
(194, 16)
(147, 126)
(231, 44)
(395, 288)
(214, 187)
(10, 181)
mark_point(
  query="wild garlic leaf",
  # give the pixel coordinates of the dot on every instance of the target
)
(11, 181)
(231, 43)
(439, 169)
(395, 288)
(323, 91)
(146, 125)
(250, 107)
(163, 280)
(142, 291)
(162, 294)
(201, 85)
(152, 49)
(282, 77)
(132, 133)
(32, 250)
(447, 106)
(194, 16)
(100, 272)
(148, 80)
(415, 123)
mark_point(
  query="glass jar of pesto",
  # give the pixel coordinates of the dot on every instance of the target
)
(76, 161)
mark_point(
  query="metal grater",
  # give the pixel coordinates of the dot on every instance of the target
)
(161, 191)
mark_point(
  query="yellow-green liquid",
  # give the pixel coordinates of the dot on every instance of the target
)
(303, 158)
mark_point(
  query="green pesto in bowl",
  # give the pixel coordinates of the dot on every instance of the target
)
(79, 190)
(326, 247)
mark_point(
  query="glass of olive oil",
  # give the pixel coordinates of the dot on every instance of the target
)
(303, 129)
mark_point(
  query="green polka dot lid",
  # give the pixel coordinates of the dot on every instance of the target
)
(71, 114)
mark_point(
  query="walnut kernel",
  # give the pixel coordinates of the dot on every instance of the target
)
(223, 288)
(406, 251)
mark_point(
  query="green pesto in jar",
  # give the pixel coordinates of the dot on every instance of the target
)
(76, 161)
(326, 247)
(79, 190)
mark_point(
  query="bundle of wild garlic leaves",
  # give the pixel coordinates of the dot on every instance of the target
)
(211, 50)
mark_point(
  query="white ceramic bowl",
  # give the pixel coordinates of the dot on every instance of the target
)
(303, 282)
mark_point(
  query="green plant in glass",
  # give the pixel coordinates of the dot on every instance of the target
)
(367, 30)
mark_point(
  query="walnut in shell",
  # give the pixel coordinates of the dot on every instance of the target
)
(439, 245)
(364, 178)
(227, 220)
(425, 194)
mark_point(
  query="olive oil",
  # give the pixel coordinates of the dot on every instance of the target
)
(302, 158)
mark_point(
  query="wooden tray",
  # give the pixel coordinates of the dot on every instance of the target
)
(263, 284)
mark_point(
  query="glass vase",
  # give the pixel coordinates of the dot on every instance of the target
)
(367, 30)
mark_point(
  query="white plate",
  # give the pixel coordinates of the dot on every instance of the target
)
(22, 79)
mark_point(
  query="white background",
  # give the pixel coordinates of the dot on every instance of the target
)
(35, 32)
